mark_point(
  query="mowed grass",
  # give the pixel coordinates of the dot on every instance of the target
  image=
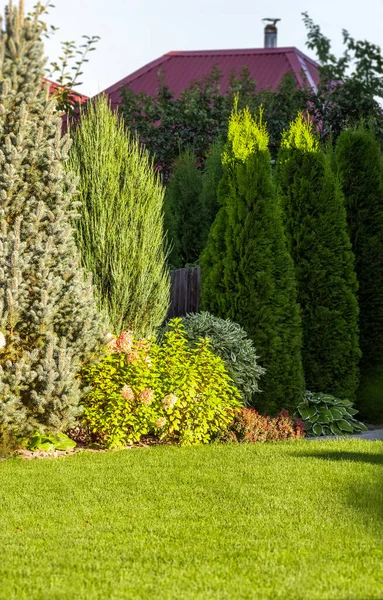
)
(288, 520)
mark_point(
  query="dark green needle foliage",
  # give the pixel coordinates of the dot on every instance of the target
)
(316, 229)
(359, 164)
(48, 318)
(256, 287)
(121, 232)
(184, 214)
(212, 175)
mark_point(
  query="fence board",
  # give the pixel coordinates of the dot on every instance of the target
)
(184, 291)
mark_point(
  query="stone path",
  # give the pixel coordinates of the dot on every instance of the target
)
(373, 434)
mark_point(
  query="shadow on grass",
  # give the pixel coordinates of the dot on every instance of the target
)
(372, 459)
(366, 496)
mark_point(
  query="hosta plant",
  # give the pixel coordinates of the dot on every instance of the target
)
(324, 414)
(174, 392)
(48, 441)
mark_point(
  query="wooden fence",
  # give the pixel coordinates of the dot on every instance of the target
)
(184, 291)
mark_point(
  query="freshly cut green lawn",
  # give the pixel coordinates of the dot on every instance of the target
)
(289, 520)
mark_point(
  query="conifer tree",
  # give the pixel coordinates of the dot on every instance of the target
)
(359, 165)
(184, 216)
(316, 229)
(211, 177)
(256, 287)
(121, 232)
(48, 318)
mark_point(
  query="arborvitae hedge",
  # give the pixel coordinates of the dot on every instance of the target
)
(48, 318)
(257, 287)
(359, 164)
(184, 213)
(316, 229)
(121, 231)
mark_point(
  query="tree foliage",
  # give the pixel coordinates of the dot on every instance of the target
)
(48, 317)
(359, 164)
(350, 86)
(256, 285)
(166, 124)
(185, 217)
(316, 229)
(121, 233)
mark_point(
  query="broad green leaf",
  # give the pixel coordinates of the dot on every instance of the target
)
(317, 429)
(336, 413)
(335, 429)
(307, 412)
(345, 426)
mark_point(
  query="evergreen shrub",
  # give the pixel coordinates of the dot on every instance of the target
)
(172, 392)
(231, 342)
(211, 177)
(359, 165)
(185, 218)
(319, 243)
(48, 318)
(247, 272)
(121, 230)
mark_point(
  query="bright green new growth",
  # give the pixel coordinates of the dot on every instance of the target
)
(120, 234)
(48, 318)
(184, 213)
(316, 229)
(247, 273)
(300, 135)
(245, 135)
(359, 164)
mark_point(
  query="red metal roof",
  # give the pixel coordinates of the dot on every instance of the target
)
(53, 86)
(266, 65)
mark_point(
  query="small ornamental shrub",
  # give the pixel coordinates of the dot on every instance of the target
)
(249, 426)
(173, 392)
(229, 341)
(324, 414)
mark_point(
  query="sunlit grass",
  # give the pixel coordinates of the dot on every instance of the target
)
(290, 520)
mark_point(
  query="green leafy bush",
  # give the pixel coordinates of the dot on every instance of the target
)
(249, 426)
(324, 414)
(174, 392)
(229, 341)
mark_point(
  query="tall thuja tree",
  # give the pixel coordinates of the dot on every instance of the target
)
(257, 271)
(211, 177)
(48, 318)
(359, 165)
(184, 215)
(121, 232)
(316, 228)
(212, 260)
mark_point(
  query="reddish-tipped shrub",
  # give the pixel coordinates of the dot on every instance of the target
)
(250, 427)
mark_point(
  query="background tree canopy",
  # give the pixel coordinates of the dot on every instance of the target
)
(349, 90)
